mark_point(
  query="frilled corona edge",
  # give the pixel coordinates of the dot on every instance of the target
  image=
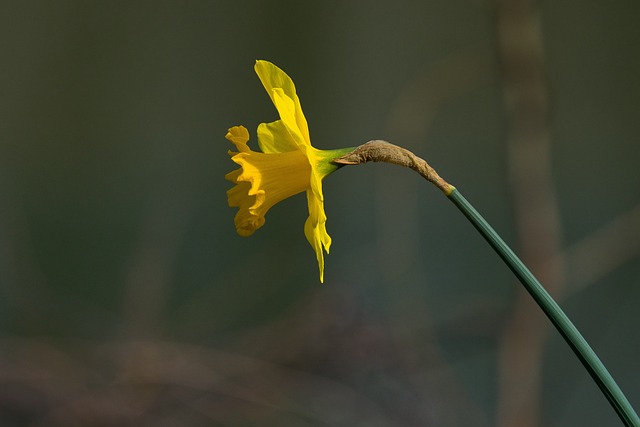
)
(383, 151)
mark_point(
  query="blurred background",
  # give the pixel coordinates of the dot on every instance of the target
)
(127, 298)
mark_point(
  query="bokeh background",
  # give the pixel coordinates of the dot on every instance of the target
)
(127, 298)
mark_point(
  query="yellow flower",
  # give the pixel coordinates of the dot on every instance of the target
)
(287, 165)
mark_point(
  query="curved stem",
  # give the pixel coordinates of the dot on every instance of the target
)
(382, 151)
(563, 324)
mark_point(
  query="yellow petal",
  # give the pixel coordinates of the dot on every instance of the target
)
(316, 178)
(315, 230)
(274, 138)
(239, 135)
(286, 108)
(273, 77)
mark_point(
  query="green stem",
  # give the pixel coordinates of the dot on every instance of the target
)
(553, 311)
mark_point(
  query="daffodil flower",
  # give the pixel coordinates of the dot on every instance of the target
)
(287, 165)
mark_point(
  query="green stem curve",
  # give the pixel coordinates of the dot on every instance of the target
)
(383, 151)
(567, 329)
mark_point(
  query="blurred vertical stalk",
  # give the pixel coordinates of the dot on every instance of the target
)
(151, 265)
(534, 207)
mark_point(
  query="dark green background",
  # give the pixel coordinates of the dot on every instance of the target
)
(127, 298)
